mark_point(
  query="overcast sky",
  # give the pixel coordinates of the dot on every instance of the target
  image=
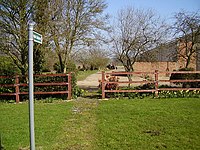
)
(165, 8)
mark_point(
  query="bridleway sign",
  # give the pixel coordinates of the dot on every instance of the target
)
(37, 37)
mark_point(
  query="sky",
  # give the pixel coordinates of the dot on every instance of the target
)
(165, 8)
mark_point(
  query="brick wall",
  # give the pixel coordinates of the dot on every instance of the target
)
(160, 66)
(152, 66)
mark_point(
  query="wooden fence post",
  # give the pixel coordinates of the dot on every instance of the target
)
(156, 83)
(69, 86)
(17, 89)
(103, 84)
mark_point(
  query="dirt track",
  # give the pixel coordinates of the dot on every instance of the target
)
(92, 81)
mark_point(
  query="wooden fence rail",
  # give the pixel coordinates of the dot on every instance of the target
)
(17, 86)
(156, 81)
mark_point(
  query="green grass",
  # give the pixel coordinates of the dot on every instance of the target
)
(149, 124)
(49, 119)
(80, 129)
(90, 124)
(84, 74)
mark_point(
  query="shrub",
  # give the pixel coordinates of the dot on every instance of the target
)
(57, 67)
(162, 94)
(145, 86)
(179, 94)
(76, 91)
(7, 81)
(7, 67)
(41, 79)
(110, 86)
(132, 95)
(186, 76)
(71, 67)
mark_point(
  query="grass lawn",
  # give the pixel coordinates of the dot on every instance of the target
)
(149, 124)
(90, 124)
(84, 74)
(49, 119)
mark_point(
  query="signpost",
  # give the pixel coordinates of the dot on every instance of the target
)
(36, 37)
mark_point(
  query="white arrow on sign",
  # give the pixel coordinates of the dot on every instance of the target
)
(37, 37)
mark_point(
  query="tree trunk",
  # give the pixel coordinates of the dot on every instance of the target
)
(187, 62)
(61, 63)
(129, 76)
(24, 77)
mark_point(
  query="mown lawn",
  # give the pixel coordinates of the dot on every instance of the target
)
(90, 124)
(149, 124)
(14, 124)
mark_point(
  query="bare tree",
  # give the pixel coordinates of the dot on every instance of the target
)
(74, 23)
(93, 58)
(41, 17)
(13, 26)
(136, 32)
(187, 28)
(65, 26)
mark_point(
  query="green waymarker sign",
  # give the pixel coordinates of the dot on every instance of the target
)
(37, 37)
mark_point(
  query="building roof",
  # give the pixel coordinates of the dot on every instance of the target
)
(166, 52)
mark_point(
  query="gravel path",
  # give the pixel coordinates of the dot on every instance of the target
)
(92, 81)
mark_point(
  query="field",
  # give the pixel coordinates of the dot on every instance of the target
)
(114, 124)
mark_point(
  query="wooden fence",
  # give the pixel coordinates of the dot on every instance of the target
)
(156, 80)
(17, 86)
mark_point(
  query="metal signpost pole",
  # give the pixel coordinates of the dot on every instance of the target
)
(31, 86)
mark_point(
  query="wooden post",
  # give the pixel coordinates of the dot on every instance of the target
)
(69, 86)
(156, 83)
(17, 89)
(103, 84)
